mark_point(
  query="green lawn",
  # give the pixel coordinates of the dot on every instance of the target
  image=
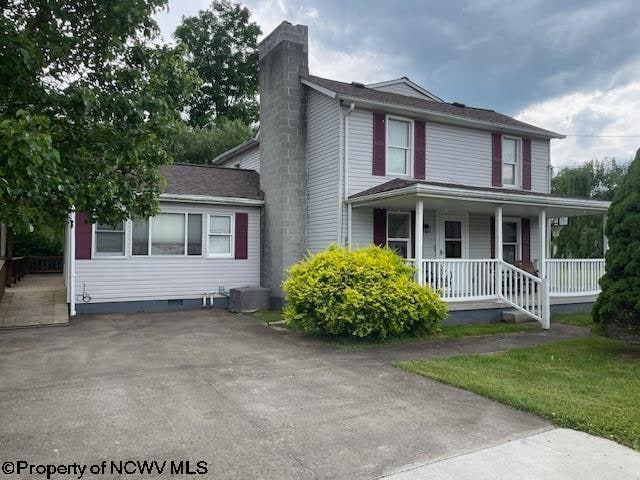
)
(581, 319)
(590, 384)
(451, 332)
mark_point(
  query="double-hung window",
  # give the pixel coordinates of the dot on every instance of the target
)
(220, 235)
(399, 233)
(110, 240)
(510, 162)
(398, 147)
(168, 234)
(510, 243)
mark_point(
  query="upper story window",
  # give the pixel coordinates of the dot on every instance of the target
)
(110, 240)
(398, 146)
(399, 233)
(168, 234)
(511, 154)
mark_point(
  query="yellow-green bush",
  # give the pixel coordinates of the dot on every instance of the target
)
(368, 292)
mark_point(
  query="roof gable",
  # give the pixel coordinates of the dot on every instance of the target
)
(404, 86)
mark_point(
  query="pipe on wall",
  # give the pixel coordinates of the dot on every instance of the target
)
(343, 186)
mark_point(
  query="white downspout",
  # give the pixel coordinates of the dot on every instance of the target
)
(72, 265)
(344, 187)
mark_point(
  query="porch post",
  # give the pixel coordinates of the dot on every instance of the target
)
(417, 255)
(498, 226)
(605, 240)
(72, 265)
(542, 226)
(349, 215)
(546, 300)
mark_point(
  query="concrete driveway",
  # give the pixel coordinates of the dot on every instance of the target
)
(225, 389)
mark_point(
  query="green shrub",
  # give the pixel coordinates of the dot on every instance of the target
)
(619, 302)
(368, 292)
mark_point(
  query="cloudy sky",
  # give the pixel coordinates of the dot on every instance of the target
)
(572, 66)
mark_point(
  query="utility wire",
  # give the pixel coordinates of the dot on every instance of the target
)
(602, 136)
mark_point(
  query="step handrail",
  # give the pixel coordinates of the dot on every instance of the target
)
(533, 301)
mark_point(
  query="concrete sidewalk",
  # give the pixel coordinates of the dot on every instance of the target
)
(557, 454)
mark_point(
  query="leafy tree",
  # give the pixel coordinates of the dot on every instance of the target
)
(582, 237)
(619, 302)
(203, 144)
(221, 44)
(86, 103)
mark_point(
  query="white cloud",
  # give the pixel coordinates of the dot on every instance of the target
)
(340, 64)
(612, 114)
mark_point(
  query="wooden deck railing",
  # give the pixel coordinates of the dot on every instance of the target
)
(4, 267)
(16, 269)
(48, 264)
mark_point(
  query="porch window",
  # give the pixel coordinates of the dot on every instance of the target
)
(510, 162)
(220, 235)
(168, 234)
(510, 244)
(109, 240)
(398, 147)
(399, 233)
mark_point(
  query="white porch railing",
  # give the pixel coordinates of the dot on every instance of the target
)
(572, 277)
(461, 279)
(486, 279)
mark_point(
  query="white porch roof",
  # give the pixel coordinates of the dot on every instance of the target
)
(403, 194)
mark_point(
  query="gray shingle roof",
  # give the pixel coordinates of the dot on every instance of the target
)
(187, 179)
(395, 99)
(398, 183)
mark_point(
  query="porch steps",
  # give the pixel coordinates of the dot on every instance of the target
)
(516, 316)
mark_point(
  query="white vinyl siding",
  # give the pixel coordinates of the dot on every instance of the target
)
(249, 160)
(138, 278)
(454, 155)
(323, 162)
(540, 166)
(458, 155)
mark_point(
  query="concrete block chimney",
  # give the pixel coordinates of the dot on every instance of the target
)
(283, 58)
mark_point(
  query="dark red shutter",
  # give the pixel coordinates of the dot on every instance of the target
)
(526, 240)
(379, 144)
(379, 227)
(84, 232)
(412, 234)
(242, 236)
(496, 160)
(419, 150)
(493, 237)
(526, 164)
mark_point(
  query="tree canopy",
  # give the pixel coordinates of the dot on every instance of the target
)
(619, 302)
(202, 145)
(87, 101)
(221, 44)
(582, 237)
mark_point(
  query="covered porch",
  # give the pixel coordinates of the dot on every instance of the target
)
(479, 245)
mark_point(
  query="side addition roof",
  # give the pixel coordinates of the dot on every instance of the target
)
(208, 183)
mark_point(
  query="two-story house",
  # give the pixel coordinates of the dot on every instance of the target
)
(462, 193)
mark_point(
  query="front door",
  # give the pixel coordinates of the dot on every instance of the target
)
(453, 233)
(453, 245)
